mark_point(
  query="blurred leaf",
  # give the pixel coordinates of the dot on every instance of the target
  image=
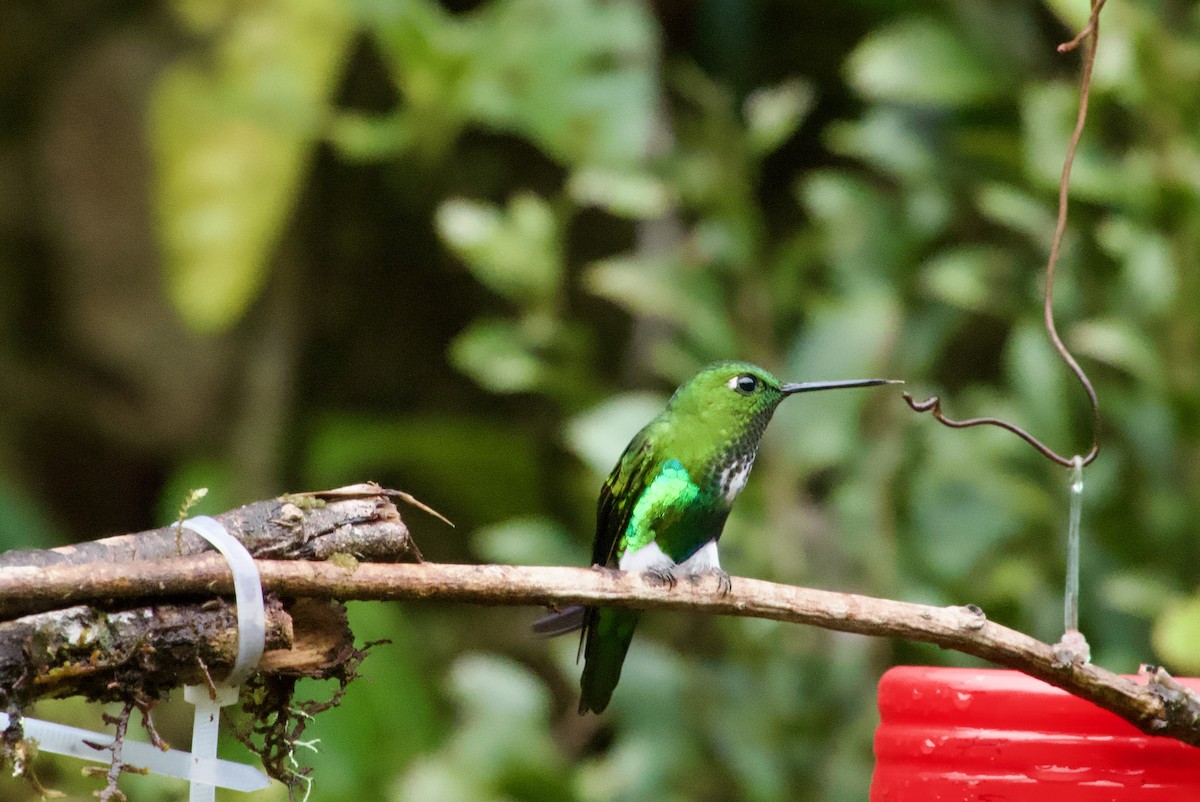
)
(774, 113)
(726, 243)
(429, 53)
(435, 450)
(231, 132)
(599, 435)
(889, 140)
(1140, 593)
(970, 278)
(691, 300)
(841, 341)
(1048, 114)
(921, 61)
(1073, 15)
(393, 704)
(861, 236)
(1177, 635)
(1012, 578)
(365, 137)
(433, 781)
(487, 685)
(501, 749)
(1152, 428)
(575, 76)
(1043, 384)
(527, 541)
(498, 355)
(217, 477)
(928, 211)
(1012, 207)
(1118, 344)
(625, 193)
(641, 287)
(516, 252)
(22, 525)
(653, 752)
(958, 517)
(1148, 276)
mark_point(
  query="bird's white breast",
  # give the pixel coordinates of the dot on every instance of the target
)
(733, 478)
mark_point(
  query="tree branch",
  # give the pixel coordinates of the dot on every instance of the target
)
(101, 654)
(106, 652)
(359, 519)
(964, 629)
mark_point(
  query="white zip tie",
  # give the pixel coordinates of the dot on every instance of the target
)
(205, 772)
(60, 739)
(201, 767)
(247, 589)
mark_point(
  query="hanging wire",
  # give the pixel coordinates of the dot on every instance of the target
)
(1090, 34)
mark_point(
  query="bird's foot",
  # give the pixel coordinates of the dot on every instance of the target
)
(724, 583)
(659, 577)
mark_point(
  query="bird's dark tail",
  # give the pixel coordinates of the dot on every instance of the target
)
(607, 632)
(560, 622)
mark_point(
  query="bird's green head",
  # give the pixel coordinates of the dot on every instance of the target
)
(733, 390)
(739, 394)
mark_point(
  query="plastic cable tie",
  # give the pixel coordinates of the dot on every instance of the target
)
(247, 587)
(204, 768)
(60, 739)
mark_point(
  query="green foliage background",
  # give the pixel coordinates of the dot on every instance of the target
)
(467, 249)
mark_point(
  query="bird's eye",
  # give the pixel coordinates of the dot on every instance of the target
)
(745, 384)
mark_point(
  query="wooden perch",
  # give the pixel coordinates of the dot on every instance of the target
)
(962, 628)
(345, 517)
(155, 640)
(77, 651)
(359, 520)
(83, 651)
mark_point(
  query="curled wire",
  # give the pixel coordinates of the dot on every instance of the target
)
(933, 405)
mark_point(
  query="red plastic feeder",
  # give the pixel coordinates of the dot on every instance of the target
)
(954, 734)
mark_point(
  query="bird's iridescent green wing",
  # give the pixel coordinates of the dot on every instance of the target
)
(621, 490)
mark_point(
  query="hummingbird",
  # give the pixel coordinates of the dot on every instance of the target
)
(663, 507)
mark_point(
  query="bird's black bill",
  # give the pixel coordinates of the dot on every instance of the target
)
(808, 387)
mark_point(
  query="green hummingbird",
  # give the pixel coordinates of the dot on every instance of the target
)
(663, 507)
